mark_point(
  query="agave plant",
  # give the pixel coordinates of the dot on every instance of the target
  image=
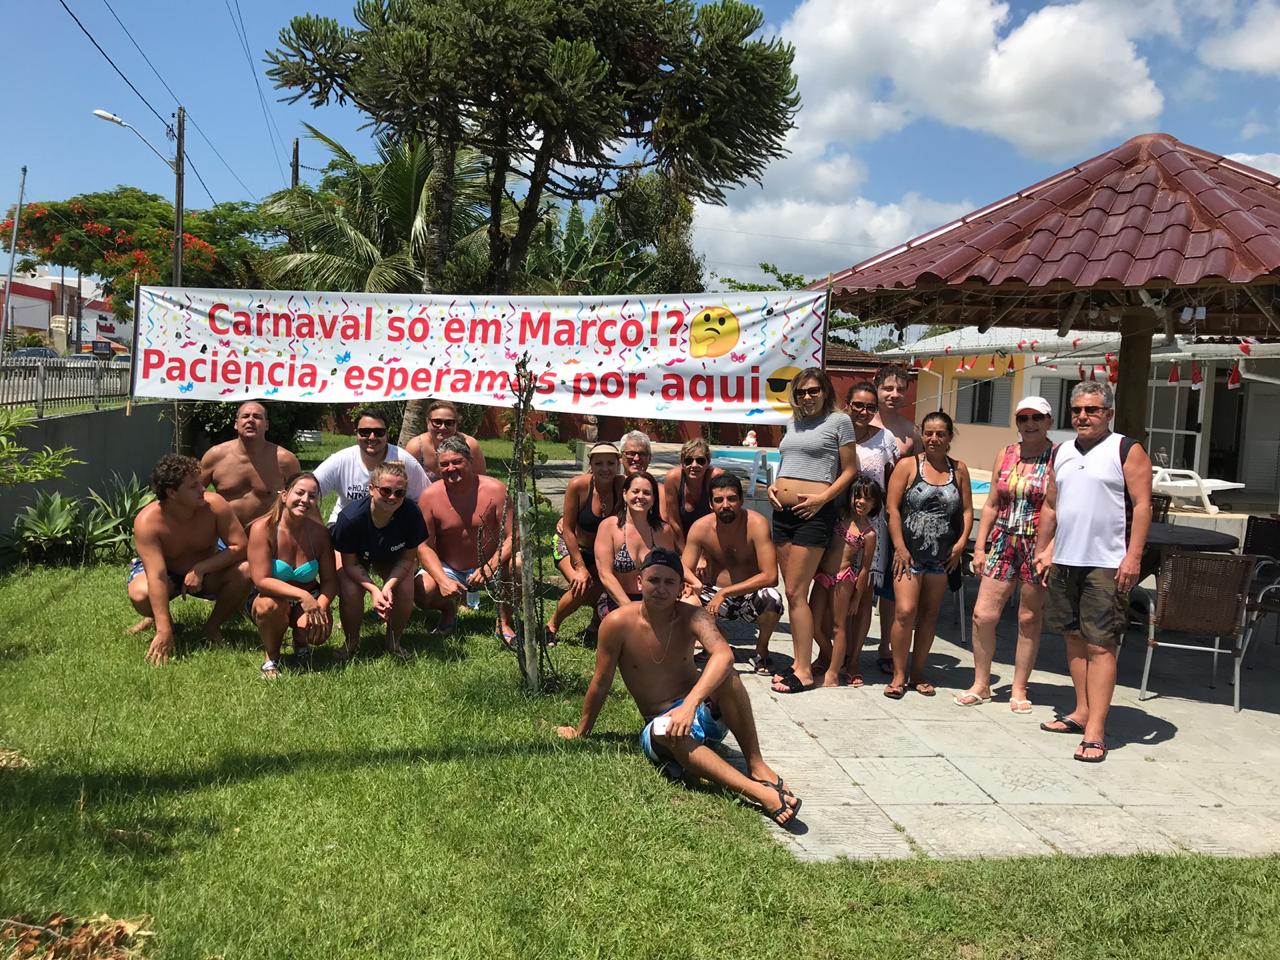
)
(48, 531)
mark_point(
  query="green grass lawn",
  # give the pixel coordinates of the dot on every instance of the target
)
(427, 810)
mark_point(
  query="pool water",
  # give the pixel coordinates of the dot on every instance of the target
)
(978, 486)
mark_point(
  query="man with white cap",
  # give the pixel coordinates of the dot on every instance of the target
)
(1093, 528)
(1004, 553)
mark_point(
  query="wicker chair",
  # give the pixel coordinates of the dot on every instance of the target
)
(1160, 507)
(1262, 539)
(1204, 595)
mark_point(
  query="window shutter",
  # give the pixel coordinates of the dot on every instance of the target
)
(1002, 401)
(965, 392)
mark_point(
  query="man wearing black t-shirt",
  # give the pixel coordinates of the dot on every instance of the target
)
(379, 535)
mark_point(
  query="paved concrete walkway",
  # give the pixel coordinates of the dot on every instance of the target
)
(922, 776)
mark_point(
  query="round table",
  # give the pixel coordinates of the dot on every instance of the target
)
(1165, 536)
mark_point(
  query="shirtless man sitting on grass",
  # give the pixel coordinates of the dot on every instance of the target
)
(652, 641)
(248, 471)
(188, 541)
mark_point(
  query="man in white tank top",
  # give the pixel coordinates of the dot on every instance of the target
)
(1092, 534)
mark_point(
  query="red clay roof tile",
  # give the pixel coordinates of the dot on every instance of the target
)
(1152, 209)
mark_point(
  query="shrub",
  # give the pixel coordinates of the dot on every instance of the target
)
(217, 420)
(20, 465)
(58, 530)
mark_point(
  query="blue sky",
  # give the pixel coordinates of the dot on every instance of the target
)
(915, 111)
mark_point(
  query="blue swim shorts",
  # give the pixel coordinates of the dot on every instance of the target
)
(707, 729)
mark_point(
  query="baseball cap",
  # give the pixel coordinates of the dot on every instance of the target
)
(660, 556)
(608, 449)
(1038, 404)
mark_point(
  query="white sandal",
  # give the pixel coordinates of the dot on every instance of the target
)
(270, 670)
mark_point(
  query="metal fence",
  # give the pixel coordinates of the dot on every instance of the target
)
(50, 385)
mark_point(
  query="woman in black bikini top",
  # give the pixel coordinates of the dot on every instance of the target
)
(692, 478)
(626, 539)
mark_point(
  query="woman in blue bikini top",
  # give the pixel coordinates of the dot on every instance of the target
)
(293, 570)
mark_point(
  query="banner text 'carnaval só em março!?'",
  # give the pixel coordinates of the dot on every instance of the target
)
(727, 357)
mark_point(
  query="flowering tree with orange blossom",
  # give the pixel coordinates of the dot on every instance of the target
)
(115, 234)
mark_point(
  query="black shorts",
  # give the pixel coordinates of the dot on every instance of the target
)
(817, 531)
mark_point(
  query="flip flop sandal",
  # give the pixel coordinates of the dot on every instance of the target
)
(761, 665)
(895, 693)
(1091, 745)
(792, 684)
(851, 679)
(775, 815)
(930, 691)
(508, 640)
(969, 700)
(270, 670)
(1020, 706)
(1070, 726)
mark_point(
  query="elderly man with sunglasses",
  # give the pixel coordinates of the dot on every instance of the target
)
(346, 472)
(1093, 529)
(442, 423)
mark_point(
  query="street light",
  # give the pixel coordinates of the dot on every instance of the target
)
(176, 165)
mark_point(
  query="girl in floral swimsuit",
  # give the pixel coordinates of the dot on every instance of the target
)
(843, 579)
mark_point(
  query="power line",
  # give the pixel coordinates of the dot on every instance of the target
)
(167, 125)
(243, 36)
(178, 100)
(85, 31)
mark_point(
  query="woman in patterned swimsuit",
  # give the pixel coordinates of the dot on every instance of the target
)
(625, 540)
(930, 515)
(1005, 551)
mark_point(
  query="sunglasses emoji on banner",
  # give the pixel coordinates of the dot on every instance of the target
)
(777, 388)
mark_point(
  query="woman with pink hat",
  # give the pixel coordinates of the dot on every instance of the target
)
(1005, 551)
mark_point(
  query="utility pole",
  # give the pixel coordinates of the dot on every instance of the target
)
(179, 168)
(80, 311)
(293, 180)
(6, 318)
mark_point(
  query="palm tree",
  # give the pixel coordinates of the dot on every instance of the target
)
(370, 227)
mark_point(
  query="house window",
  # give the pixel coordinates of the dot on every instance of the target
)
(984, 401)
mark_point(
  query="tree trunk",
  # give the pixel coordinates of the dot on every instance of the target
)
(528, 219)
(499, 276)
(440, 236)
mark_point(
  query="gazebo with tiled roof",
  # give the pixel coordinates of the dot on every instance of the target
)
(1153, 236)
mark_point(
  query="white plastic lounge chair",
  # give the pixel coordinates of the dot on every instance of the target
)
(1189, 485)
(756, 471)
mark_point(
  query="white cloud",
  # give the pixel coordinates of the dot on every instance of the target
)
(1252, 128)
(1253, 45)
(1065, 79)
(1268, 162)
(812, 237)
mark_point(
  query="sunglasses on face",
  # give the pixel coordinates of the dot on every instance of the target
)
(371, 432)
(634, 454)
(802, 392)
(443, 423)
(1030, 417)
(691, 461)
(391, 493)
(1086, 411)
(863, 407)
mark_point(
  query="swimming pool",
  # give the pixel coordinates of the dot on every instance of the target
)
(749, 456)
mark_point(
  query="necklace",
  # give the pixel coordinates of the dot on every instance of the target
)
(666, 644)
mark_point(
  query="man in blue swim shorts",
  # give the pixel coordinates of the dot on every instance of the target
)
(686, 712)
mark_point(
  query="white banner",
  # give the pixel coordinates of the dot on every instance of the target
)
(727, 357)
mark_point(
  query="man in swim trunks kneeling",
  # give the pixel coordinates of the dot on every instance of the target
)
(652, 641)
(188, 541)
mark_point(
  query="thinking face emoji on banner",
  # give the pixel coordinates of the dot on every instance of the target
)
(713, 332)
(777, 388)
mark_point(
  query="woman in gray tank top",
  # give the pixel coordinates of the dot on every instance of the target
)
(818, 463)
(930, 515)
